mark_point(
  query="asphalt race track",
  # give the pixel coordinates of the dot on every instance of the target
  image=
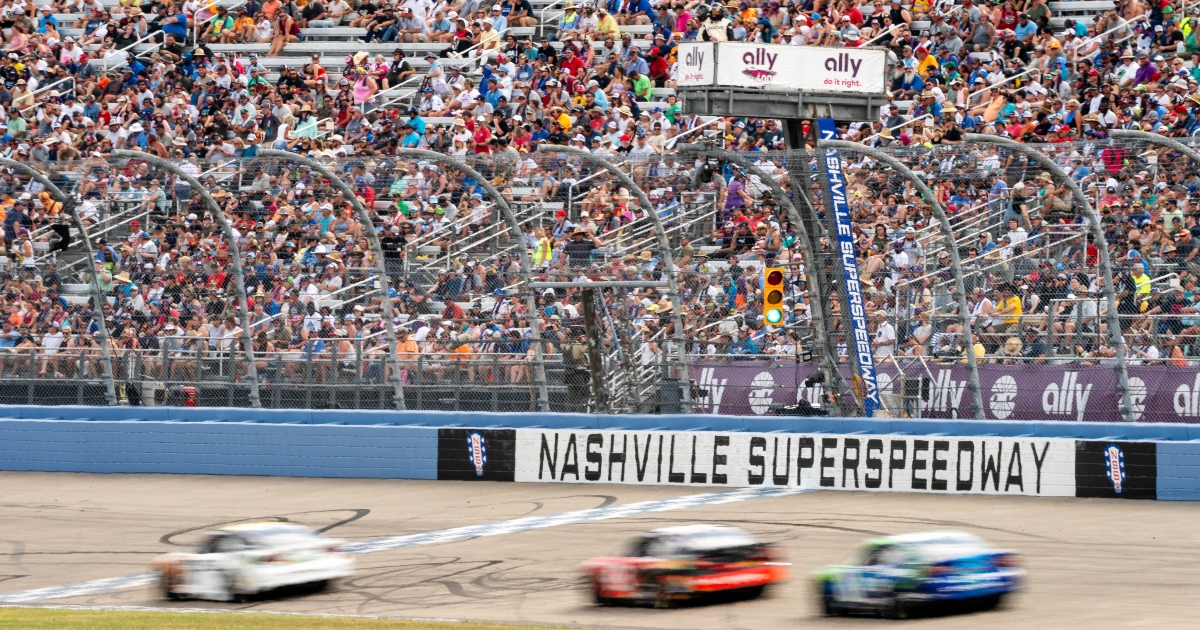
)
(1093, 563)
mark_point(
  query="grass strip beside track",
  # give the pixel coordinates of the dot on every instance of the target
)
(76, 619)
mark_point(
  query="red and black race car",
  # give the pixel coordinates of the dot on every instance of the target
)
(684, 563)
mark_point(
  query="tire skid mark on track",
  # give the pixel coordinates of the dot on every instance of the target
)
(455, 534)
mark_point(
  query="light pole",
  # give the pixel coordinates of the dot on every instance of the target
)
(239, 280)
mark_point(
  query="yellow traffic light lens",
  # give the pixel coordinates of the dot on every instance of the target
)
(773, 316)
(775, 296)
(775, 277)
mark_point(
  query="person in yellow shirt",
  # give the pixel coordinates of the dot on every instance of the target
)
(563, 119)
(1142, 285)
(607, 24)
(1009, 307)
(927, 64)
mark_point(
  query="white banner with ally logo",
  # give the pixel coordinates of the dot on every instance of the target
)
(779, 67)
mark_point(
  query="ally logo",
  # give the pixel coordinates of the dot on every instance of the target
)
(1114, 463)
(713, 389)
(755, 60)
(477, 451)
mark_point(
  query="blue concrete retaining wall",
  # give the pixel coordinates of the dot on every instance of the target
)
(218, 448)
(1179, 471)
(404, 445)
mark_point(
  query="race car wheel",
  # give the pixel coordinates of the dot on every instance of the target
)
(895, 609)
(829, 606)
(754, 592)
(661, 598)
(597, 597)
(169, 582)
(991, 602)
(232, 594)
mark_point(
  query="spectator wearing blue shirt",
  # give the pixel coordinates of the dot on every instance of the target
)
(908, 86)
(634, 12)
(499, 22)
(601, 99)
(539, 132)
(634, 61)
(47, 18)
(1025, 29)
(493, 94)
(414, 119)
(411, 139)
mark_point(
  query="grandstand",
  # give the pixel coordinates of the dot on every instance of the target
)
(161, 266)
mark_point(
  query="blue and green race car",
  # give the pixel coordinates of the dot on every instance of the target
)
(897, 575)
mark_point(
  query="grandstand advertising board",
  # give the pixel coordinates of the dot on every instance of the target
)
(783, 68)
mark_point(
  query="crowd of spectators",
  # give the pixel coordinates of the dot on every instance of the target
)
(600, 77)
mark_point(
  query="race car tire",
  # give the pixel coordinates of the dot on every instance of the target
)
(168, 584)
(754, 592)
(661, 598)
(895, 608)
(599, 599)
(232, 594)
(829, 606)
(991, 602)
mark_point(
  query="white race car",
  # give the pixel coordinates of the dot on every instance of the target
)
(241, 560)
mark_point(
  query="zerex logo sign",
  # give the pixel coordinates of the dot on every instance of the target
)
(1038, 467)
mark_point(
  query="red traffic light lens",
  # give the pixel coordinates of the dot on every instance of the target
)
(775, 277)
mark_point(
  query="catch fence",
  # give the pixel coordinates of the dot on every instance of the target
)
(461, 267)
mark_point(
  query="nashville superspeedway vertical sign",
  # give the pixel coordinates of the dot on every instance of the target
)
(882, 463)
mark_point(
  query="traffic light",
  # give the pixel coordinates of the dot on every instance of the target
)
(773, 295)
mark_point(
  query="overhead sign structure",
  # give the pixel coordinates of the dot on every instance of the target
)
(784, 68)
(860, 342)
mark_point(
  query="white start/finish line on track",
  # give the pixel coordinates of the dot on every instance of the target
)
(455, 534)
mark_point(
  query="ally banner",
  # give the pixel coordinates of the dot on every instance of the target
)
(1010, 392)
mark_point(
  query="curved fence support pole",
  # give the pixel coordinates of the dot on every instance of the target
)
(663, 244)
(389, 325)
(829, 356)
(960, 289)
(239, 280)
(98, 300)
(1162, 141)
(535, 329)
(1116, 339)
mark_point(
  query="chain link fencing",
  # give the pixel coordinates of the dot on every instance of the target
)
(465, 298)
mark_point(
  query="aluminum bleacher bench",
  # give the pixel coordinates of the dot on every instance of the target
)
(339, 32)
(1081, 7)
